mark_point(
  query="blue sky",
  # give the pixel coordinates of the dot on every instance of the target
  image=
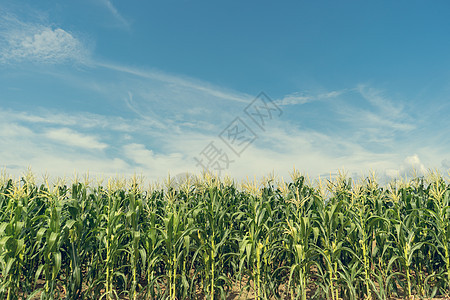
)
(123, 87)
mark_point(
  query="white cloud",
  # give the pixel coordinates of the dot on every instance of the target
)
(113, 10)
(81, 120)
(142, 156)
(373, 119)
(178, 81)
(14, 130)
(278, 149)
(388, 108)
(376, 120)
(70, 137)
(446, 163)
(39, 43)
(23, 146)
(132, 106)
(411, 167)
(155, 165)
(412, 164)
(294, 99)
(299, 99)
(169, 102)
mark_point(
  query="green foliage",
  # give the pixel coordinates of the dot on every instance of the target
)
(212, 239)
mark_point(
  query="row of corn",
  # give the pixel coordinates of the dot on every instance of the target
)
(206, 238)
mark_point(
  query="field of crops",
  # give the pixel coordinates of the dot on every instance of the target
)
(217, 239)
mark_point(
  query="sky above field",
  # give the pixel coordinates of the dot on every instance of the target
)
(246, 88)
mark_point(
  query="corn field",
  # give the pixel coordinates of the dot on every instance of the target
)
(207, 238)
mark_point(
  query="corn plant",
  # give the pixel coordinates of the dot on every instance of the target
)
(301, 236)
(405, 239)
(213, 219)
(74, 235)
(366, 224)
(12, 247)
(110, 234)
(176, 227)
(207, 237)
(333, 223)
(255, 242)
(151, 243)
(439, 221)
(135, 209)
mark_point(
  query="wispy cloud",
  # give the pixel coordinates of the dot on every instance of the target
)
(48, 142)
(193, 84)
(158, 163)
(171, 102)
(364, 107)
(42, 139)
(373, 119)
(387, 107)
(131, 105)
(299, 98)
(84, 120)
(70, 137)
(57, 150)
(14, 130)
(113, 10)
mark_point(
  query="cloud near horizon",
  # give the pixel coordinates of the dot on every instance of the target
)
(110, 145)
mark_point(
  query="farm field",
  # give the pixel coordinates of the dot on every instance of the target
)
(210, 238)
